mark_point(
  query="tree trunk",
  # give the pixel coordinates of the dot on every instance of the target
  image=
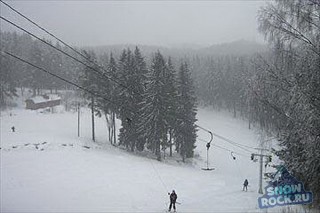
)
(170, 142)
(92, 117)
(22, 91)
(114, 128)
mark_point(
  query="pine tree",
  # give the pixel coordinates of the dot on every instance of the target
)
(140, 81)
(171, 95)
(185, 129)
(91, 81)
(112, 71)
(154, 110)
(36, 77)
(7, 83)
(124, 98)
(132, 72)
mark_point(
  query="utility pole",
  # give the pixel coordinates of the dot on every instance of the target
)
(79, 119)
(92, 116)
(260, 191)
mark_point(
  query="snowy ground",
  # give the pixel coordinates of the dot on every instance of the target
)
(45, 167)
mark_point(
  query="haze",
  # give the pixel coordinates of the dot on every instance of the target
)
(168, 23)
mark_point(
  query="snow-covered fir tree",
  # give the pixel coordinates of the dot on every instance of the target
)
(7, 83)
(185, 128)
(171, 94)
(132, 72)
(155, 108)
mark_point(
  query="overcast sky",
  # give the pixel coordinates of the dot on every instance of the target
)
(84, 23)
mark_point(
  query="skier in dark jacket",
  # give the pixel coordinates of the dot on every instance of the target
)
(245, 185)
(173, 199)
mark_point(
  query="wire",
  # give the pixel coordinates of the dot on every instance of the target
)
(241, 146)
(63, 52)
(61, 78)
(156, 171)
(203, 128)
(224, 148)
(43, 29)
(69, 46)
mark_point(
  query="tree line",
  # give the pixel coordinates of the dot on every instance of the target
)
(19, 75)
(156, 104)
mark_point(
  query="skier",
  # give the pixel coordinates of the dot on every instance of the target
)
(245, 185)
(13, 129)
(173, 199)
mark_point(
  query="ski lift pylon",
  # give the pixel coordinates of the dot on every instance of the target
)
(208, 147)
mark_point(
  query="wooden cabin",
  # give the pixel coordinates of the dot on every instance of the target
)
(44, 101)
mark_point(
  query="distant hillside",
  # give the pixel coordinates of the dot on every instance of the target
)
(240, 47)
(118, 48)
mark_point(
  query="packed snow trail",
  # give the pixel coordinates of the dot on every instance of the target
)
(71, 174)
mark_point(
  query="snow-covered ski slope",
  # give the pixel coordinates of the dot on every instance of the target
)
(45, 167)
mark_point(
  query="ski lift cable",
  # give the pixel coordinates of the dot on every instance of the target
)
(231, 151)
(61, 51)
(223, 138)
(159, 177)
(61, 78)
(43, 29)
(241, 146)
(60, 40)
(224, 148)
(232, 142)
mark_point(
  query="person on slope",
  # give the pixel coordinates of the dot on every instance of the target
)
(173, 199)
(245, 185)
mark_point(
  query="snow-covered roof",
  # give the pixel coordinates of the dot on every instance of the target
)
(41, 98)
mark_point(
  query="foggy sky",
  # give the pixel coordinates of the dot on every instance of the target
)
(84, 23)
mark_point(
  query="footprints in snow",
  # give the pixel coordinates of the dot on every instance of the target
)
(42, 146)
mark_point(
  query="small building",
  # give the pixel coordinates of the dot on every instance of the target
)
(44, 101)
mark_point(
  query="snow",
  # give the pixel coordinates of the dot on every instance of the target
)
(46, 168)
